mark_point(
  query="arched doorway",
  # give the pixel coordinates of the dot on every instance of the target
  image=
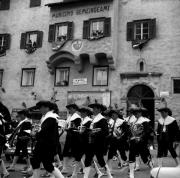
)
(142, 95)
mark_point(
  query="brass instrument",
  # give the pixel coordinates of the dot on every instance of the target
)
(137, 131)
(118, 133)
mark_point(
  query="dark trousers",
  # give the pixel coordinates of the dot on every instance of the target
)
(163, 148)
(44, 154)
(115, 145)
(139, 148)
(94, 150)
(73, 146)
(21, 146)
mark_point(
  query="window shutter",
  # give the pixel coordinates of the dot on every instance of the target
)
(39, 39)
(23, 41)
(107, 27)
(130, 31)
(5, 4)
(35, 3)
(7, 41)
(152, 28)
(86, 29)
(70, 31)
(51, 37)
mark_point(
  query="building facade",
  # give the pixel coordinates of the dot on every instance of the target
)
(116, 52)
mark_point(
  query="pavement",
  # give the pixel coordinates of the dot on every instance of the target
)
(118, 172)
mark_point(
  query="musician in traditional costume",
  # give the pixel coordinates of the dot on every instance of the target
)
(167, 134)
(130, 119)
(22, 132)
(118, 138)
(85, 113)
(46, 141)
(72, 142)
(2, 143)
(140, 133)
(97, 140)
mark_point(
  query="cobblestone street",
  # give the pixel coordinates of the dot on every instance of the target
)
(118, 173)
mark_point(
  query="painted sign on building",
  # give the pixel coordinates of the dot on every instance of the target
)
(82, 11)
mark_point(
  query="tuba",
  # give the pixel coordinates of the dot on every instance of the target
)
(137, 131)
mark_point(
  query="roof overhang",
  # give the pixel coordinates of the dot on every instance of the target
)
(74, 2)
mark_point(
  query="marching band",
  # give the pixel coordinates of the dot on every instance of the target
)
(93, 136)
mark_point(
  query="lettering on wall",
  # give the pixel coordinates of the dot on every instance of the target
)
(82, 11)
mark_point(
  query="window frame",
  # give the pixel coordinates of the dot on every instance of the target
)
(55, 83)
(1, 79)
(87, 26)
(39, 40)
(96, 67)
(53, 27)
(141, 28)
(175, 78)
(32, 32)
(34, 72)
(60, 24)
(91, 21)
(31, 5)
(130, 31)
(5, 6)
(6, 42)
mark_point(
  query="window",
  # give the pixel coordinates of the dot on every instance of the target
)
(141, 30)
(60, 32)
(28, 76)
(4, 4)
(31, 39)
(100, 76)
(35, 3)
(141, 66)
(176, 85)
(62, 76)
(4, 41)
(97, 28)
(1, 77)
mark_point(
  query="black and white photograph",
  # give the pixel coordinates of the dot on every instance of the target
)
(90, 88)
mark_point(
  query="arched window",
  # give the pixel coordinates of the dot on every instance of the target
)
(141, 66)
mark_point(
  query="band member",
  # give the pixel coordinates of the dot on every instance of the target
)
(71, 147)
(47, 139)
(167, 133)
(97, 140)
(140, 133)
(2, 142)
(130, 119)
(7, 117)
(23, 137)
(118, 138)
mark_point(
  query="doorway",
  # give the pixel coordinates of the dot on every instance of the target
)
(142, 95)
